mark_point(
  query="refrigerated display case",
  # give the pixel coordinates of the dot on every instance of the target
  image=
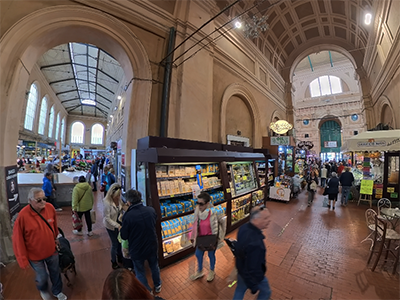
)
(285, 160)
(174, 177)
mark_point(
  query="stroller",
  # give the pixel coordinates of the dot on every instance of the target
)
(66, 257)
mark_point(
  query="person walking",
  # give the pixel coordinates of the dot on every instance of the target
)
(82, 203)
(107, 179)
(324, 174)
(250, 253)
(112, 208)
(34, 243)
(312, 183)
(346, 180)
(333, 190)
(49, 189)
(206, 222)
(94, 171)
(139, 228)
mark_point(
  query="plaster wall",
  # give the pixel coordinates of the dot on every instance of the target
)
(238, 118)
(88, 122)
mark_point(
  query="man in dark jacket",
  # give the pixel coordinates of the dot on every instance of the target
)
(250, 253)
(346, 180)
(139, 228)
(95, 173)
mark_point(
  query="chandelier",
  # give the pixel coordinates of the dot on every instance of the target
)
(255, 26)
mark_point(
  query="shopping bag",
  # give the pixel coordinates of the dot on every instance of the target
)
(93, 216)
(325, 203)
(76, 221)
(325, 191)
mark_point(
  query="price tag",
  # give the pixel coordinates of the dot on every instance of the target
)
(172, 195)
(228, 191)
(244, 177)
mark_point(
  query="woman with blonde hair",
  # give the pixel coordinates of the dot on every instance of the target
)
(112, 208)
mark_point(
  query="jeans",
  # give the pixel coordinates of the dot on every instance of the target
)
(141, 273)
(311, 194)
(39, 266)
(88, 219)
(323, 180)
(200, 254)
(345, 194)
(264, 290)
(116, 250)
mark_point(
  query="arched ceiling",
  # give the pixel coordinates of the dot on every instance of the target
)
(86, 79)
(296, 24)
(320, 60)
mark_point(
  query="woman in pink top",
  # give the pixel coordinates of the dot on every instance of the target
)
(206, 222)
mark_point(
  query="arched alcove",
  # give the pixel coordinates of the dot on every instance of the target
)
(241, 92)
(239, 120)
(385, 113)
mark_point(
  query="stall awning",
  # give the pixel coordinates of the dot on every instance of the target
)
(382, 140)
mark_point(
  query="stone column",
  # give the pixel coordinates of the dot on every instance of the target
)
(366, 97)
(289, 103)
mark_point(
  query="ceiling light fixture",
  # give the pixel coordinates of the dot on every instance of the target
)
(88, 102)
(368, 19)
(252, 29)
(115, 108)
(119, 97)
(238, 24)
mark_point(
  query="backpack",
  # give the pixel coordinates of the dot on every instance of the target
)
(65, 256)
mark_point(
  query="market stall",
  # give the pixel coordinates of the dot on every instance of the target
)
(171, 173)
(386, 175)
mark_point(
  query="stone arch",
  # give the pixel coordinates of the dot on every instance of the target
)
(30, 37)
(241, 91)
(383, 104)
(329, 118)
(276, 115)
(23, 44)
(84, 131)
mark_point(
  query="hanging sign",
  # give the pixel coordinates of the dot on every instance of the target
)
(394, 195)
(330, 144)
(280, 140)
(280, 126)
(305, 145)
(366, 187)
(390, 190)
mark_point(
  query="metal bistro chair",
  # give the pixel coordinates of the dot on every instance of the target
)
(385, 236)
(370, 220)
(383, 203)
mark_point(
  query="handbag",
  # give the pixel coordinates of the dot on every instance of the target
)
(76, 221)
(325, 191)
(325, 203)
(207, 242)
(93, 216)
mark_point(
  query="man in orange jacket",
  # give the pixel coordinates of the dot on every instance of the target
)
(34, 243)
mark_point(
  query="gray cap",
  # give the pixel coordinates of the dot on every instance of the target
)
(334, 174)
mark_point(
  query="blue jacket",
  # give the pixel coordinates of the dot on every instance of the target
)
(47, 187)
(333, 184)
(109, 179)
(250, 256)
(139, 228)
(346, 179)
(94, 170)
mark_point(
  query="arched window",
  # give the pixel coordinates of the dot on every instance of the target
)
(62, 131)
(325, 85)
(77, 133)
(42, 116)
(97, 134)
(31, 107)
(51, 121)
(57, 125)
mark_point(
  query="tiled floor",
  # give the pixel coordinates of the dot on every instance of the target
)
(313, 253)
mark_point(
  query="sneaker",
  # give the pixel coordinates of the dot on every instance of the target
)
(210, 276)
(197, 275)
(77, 232)
(157, 289)
(45, 295)
(333, 208)
(59, 209)
(90, 233)
(61, 296)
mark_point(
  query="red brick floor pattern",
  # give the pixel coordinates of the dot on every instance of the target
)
(313, 253)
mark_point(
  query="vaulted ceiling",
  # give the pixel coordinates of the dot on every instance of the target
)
(294, 25)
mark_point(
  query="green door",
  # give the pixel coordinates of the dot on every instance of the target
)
(330, 132)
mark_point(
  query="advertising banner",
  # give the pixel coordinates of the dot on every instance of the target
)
(366, 187)
(279, 193)
(12, 190)
(280, 140)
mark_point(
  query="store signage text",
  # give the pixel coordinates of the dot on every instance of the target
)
(280, 140)
(280, 126)
(306, 145)
(372, 143)
(330, 144)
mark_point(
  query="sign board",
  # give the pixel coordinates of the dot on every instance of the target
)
(330, 144)
(12, 191)
(123, 159)
(279, 193)
(366, 187)
(394, 195)
(390, 189)
(280, 126)
(123, 185)
(305, 145)
(280, 140)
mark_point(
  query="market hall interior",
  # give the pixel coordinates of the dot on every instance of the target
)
(219, 80)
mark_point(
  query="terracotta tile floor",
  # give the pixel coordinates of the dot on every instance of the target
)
(313, 253)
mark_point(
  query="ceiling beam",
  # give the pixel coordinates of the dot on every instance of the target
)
(103, 97)
(69, 91)
(62, 80)
(309, 60)
(102, 111)
(69, 100)
(73, 107)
